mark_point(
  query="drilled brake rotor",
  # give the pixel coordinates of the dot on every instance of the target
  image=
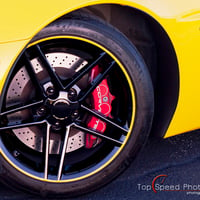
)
(22, 90)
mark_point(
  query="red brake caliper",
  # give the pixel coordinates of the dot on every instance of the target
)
(101, 101)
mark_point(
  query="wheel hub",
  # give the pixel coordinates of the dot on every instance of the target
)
(61, 109)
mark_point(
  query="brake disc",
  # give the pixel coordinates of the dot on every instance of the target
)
(22, 90)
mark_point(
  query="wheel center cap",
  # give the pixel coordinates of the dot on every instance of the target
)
(61, 109)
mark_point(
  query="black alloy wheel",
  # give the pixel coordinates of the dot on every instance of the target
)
(76, 108)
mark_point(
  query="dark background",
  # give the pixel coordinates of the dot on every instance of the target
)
(177, 157)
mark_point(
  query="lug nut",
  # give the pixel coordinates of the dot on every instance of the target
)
(57, 126)
(75, 113)
(72, 94)
(41, 111)
(50, 91)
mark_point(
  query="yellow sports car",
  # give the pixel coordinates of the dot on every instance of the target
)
(83, 83)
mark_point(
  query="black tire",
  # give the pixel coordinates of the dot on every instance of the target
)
(136, 80)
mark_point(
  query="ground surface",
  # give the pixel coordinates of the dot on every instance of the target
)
(178, 158)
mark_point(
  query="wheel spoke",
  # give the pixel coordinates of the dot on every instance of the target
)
(55, 79)
(22, 125)
(64, 148)
(46, 143)
(20, 108)
(32, 75)
(85, 71)
(103, 118)
(96, 82)
(97, 134)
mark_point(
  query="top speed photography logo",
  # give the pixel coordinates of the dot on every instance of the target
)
(162, 183)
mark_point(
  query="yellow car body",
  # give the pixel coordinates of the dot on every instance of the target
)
(21, 20)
